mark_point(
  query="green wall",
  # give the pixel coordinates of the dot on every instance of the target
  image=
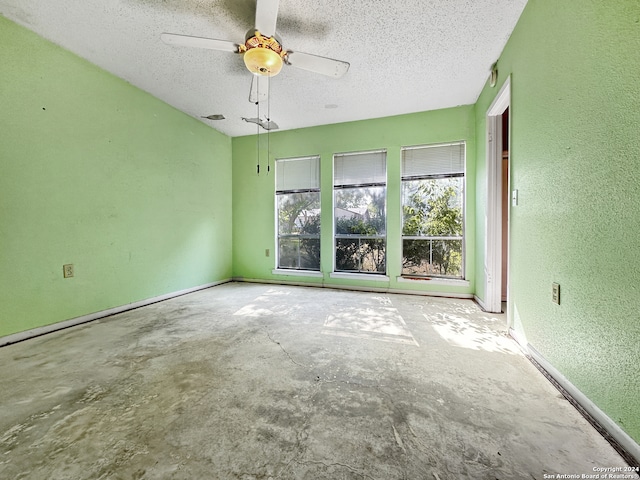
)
(253, 195)
(97, 173)
(575, 153)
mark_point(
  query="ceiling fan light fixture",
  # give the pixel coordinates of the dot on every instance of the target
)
(263, 61)
(262, 55)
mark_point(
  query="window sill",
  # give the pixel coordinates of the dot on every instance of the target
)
(374, 277)
(434, 281)
(297, 273)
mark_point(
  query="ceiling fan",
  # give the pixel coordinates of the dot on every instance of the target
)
(262, 51)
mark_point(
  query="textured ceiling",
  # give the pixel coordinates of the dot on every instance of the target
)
(405, 55)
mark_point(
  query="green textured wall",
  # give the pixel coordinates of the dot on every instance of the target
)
(253, 195)
(575, 153)
(97, 173)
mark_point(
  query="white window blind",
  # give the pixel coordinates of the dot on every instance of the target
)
(425, 161)
(366, 168)
(298, 174)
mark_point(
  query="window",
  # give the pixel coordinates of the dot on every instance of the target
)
(360, 212)
(298, 206)
(433, 210)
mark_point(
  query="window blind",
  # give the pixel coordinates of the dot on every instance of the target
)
(366, 168)
(298, 174)
(425, 161)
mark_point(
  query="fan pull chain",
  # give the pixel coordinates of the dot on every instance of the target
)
(258, 142)
(268, 126)
(258, 124)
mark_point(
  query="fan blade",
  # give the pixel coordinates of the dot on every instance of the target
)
(314, 63)
(266, 17)
(259, 89)
(199, 42)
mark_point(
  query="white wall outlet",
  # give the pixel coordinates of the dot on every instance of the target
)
(555, 293)
(67, 270)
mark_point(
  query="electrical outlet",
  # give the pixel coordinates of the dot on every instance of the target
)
(555, 293)
(266, 252)
(67, 270)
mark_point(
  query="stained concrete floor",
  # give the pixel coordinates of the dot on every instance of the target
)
(246, 381)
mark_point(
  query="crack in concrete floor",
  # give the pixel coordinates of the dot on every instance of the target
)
(283, 349)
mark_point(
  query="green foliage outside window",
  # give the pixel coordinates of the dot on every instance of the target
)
(433, 208)
(361, 213)
(299, 230)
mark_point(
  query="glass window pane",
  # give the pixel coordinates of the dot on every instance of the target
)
(299, 230)
(432, 207)
(361, 254)
(373, 255)
(299, 253)
(310, 253)
(432, 257)
(347, 254)
(288, 253)
(299, 213)
(360, 211)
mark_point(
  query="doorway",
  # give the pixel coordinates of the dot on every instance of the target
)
(497, 213)
(505, 207)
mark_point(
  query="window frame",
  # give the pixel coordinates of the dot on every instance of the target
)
(278, 236)
(335, 188)
(463, 239)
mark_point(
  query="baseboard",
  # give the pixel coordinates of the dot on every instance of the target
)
(36, 332)
(357, 288)
(480, 303)
(618, 438)
(520, 340)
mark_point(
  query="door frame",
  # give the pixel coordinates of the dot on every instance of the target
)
(493, 218)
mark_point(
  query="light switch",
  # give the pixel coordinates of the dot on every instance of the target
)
(514, 198)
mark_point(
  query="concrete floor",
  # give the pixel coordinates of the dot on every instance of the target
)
(246, 381)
